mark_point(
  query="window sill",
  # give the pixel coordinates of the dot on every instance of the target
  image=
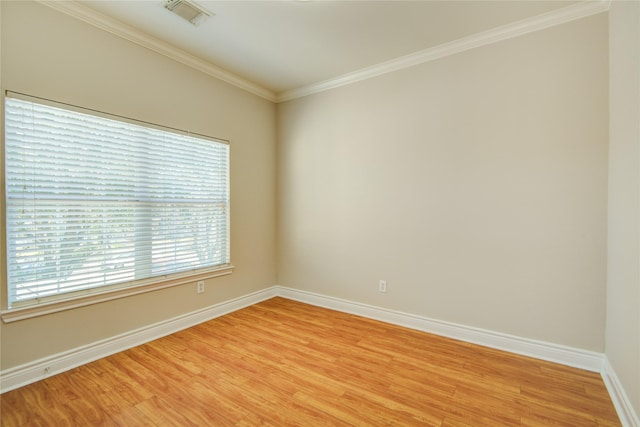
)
(43, 308)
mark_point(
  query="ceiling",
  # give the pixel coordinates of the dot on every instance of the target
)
(287, 45)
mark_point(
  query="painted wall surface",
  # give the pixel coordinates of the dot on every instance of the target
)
(476, 185)
(623, 281)
(51, 55)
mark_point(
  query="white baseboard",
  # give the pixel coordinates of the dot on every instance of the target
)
(578, 358)
(628, 416)
(34, 371)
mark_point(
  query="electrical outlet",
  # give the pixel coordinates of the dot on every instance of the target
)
(200, 287)
(382, 286)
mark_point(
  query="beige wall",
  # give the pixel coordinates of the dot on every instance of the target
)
(48, 54)
(476, 185)
(623, 290)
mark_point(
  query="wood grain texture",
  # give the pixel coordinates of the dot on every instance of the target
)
(281, 363)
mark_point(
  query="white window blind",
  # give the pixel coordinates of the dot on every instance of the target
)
(95, 202)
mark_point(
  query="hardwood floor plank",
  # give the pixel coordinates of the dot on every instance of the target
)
(164, 412)
(479, 402)
(282, 395)
(285, 363)
(535, 419)
(132, 417)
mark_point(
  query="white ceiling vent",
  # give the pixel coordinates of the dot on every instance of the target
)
(187, 10)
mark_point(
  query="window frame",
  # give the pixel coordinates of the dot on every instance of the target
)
(97, 294)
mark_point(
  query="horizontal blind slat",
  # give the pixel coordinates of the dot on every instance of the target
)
(93, 202)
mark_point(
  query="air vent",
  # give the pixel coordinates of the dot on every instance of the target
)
(188, 11)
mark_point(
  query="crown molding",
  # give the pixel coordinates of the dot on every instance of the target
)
(127, 32)
(525, 26)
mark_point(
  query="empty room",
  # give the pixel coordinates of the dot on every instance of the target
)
(313, 212)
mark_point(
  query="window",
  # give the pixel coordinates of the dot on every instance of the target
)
(96, 203)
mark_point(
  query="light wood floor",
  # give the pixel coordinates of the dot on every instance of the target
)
(282, 363)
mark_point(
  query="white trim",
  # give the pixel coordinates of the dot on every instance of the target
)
(127, 32)
(34, 371)
(569, 356)
(56, 304)
(628, 416)
(525, 26)
(28, 373)
(575, 357)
